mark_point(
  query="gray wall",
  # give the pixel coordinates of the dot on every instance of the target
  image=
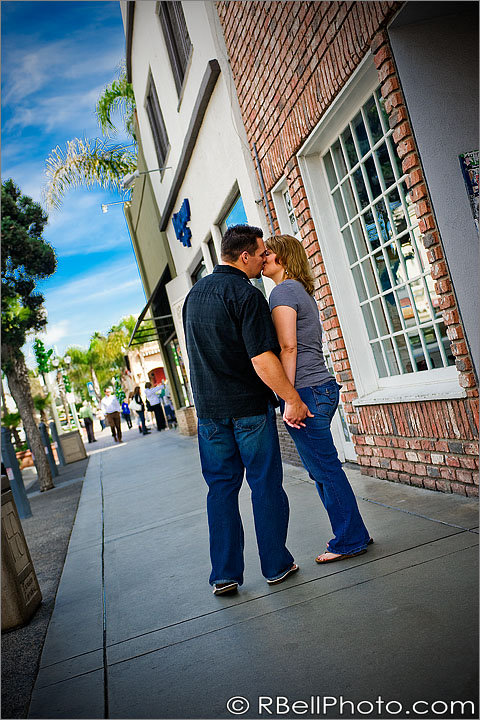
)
(435, 45)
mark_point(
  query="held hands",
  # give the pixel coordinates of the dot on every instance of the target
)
(295, 412)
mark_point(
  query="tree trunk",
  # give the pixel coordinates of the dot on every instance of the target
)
(17, 376)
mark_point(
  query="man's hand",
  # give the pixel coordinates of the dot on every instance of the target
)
(269, 369)
(295, 412)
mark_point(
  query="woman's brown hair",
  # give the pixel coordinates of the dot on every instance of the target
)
(291, 254)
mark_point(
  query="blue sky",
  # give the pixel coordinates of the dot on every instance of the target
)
(57, 57)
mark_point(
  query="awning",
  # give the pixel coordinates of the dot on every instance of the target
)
(148, 329)
(160, 325)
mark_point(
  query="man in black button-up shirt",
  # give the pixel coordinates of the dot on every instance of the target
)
(232, 349)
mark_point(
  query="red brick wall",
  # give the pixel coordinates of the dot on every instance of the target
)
(289, 61)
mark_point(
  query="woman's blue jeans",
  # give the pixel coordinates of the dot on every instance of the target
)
(228, 448)
(317, 451)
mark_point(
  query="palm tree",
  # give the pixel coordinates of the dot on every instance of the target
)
(41, 403)
(12, 421)
(85, 163)
(96, 162)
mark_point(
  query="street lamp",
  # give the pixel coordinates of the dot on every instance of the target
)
(129, 179)
(105, 206)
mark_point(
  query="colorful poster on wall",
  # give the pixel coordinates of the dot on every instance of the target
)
(469, 165)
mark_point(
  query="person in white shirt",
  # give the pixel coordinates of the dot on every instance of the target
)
(153, 399)
(111, 408)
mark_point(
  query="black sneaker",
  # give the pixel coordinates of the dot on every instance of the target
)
(225, 587)
(283, 577)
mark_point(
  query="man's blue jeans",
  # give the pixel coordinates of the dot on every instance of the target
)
(228, 448)
(315, 446)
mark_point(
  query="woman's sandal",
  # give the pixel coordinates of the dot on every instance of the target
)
(335, 557)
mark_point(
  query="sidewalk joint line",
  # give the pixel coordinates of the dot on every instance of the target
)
(287, 607)
(72, 657)
(72, 677)
(286, 588)
(416, 514)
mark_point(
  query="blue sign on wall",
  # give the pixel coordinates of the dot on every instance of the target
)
(180, 220)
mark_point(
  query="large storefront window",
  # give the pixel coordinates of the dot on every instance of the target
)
(386, 256)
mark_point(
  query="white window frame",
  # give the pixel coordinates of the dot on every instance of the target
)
(371, 389)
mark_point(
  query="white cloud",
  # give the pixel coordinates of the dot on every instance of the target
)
(56, 332)
(109, 281)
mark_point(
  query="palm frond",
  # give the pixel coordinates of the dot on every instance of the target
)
(84, 163)
(116, 96)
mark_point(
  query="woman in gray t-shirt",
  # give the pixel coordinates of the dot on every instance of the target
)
(296, 319)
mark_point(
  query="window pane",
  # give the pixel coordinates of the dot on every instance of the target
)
(421, 252)
(379, 262)
(235, 216)
(361, 134)
(337, 199)
(350, 147)
(381, 103)
(406, 307)
(373, 178)
(379, 361)
(361, 189)
(359, 284)
(372, 118)
(391, 359)
(417, 351)
(386, 168)
(199, 272)
(347, 237)
(370, 278)
(403, 352)
(368, 317)
(398, 162)
(446, 343)
(383, 221)
(359, 237)
(212, 251)
(371, 229)
(433, 350)
(332, 178)
(397, 212)
(349, 199)
(411, 260)
(379, 313)
(338, 160)
(393, 313)
(421, 300)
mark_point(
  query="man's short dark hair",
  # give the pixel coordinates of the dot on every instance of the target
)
(239, 238)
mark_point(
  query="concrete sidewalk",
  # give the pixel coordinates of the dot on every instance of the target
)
(137, 633)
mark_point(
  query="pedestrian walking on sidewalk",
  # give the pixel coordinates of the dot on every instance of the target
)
(138, 406)
(126, 413)
(111, 407)
(231, 344)
(100, 415)
(296, 319)
(155, 404)
(86, 415)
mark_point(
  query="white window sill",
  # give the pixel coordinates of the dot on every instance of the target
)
(444, 390)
